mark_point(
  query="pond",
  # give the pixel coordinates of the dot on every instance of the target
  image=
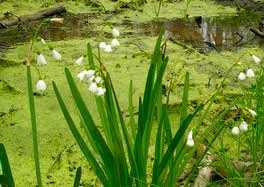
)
(204, 33)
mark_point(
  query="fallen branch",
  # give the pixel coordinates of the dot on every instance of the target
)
(37, 16)
(257, 32)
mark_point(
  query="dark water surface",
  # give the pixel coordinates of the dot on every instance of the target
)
(222, 32)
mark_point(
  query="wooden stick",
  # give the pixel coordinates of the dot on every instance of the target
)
(31, 17)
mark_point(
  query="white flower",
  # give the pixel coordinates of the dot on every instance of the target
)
(93, 87)
(56, 55)
(41, 86)
(90, 73)
(86, 73)
(100, 91)
(190, 141)
(241, 76)
(256, 59)
(79, 60)
(115, 32)
(252, 112)
(243, 126)
(235, 131)
(108, 49)
(82, 74)
(115, 43)
(250, 73)
(41, 60)
(190, 135)
(98, 79)
(43, 41)
(91, 79)
(102, 45)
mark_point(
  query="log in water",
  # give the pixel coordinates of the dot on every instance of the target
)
(37, 16)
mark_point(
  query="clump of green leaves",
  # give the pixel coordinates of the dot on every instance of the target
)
(119, 154)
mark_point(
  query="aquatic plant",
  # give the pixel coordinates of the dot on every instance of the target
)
(34, 124)
(6, 179)
(246, 168)
(119, 153)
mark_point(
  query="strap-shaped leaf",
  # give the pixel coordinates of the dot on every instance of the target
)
(7, 177)
(96, 135)
(77, 178)
(176, 140)
(34, 126)
(184, 105)
(87, 153)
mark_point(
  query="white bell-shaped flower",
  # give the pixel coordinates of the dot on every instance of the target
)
(250, 73)
(190, 141)
(100, 91)
(108, 49)
(82, 75)
(102, 45)
(79, 60)
(242, 76)
(235, 131)
(115, 43)
(41, 60)
(90, 73)
(91, 79)
(252, 112)
(98, 79)
(43, 41)
(41, 86)
(115, 32)
(93, 88)
(256, 59)
(56, 55)
(243, 126)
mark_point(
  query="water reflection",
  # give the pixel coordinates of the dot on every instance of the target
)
(203, 33)
(218, 33)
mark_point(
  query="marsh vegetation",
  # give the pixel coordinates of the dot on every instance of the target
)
(131, 93)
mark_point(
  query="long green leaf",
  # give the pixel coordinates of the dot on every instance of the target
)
(114, 118)
(87, 153)
(34, 126)
(184, 105)
(7, 173)
(175, 141)
(102, 147)
(77, 179)
(131, 111)
(158, 145)
(125, 133)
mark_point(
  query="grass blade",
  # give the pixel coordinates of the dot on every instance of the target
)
(7, 177)
(34, 126)
(77, 177)
(131, 111)
(184, 106)
(87, 153)
(176, 140)
(102, 147)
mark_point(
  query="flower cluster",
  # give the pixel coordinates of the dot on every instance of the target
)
(41, 61)
(95, 82)
(115, 43)
(243, 127)
(249, 73)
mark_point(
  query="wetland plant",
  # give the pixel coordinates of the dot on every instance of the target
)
(120, 153)
(6, 178)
